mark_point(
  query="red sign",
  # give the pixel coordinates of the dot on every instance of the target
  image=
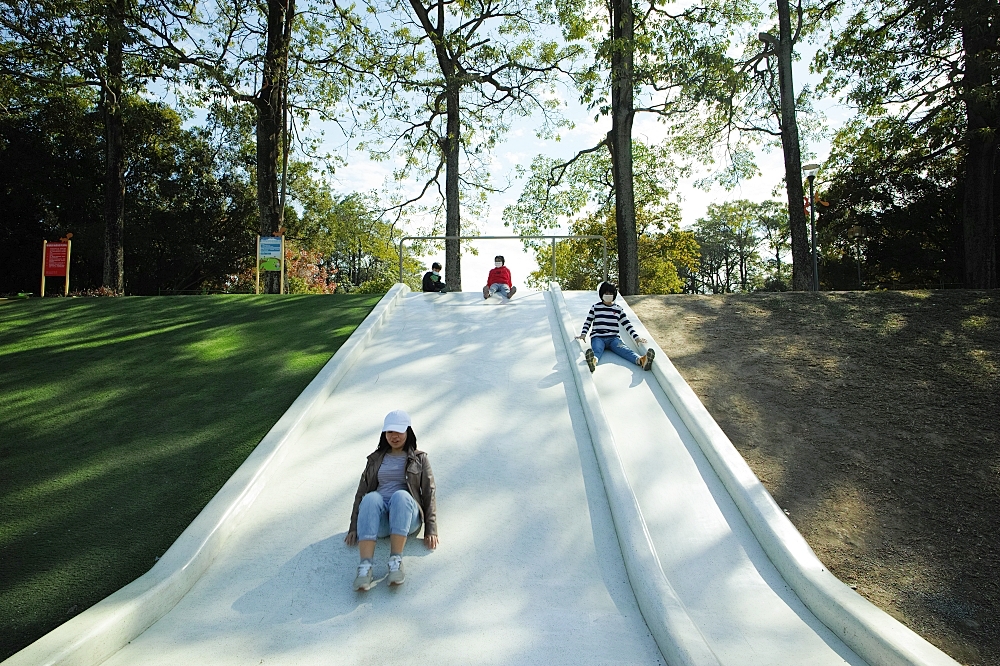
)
(55, 259)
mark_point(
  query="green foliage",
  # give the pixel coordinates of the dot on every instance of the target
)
(886, 184)
(732, 236)
(348, 238)
(189, 202)
(122, 417)
(665, 254)
(583, 194)
(552, 193)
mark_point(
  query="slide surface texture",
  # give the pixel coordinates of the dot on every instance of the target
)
(580, 522)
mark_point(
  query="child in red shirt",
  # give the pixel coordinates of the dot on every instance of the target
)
(499, 280)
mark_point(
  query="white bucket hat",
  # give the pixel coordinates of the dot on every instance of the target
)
(396, 421)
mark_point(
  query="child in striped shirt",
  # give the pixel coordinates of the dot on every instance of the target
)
(605, 318)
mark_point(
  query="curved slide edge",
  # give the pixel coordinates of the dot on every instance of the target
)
(679, 639)
(103, 629)
(873, 634)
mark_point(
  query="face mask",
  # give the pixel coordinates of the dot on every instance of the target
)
(436, 272)
(608, 299)
(498, 264)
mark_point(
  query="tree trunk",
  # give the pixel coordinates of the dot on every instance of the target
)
(114, 182)
(453, 221)
(620, 140)
(801, 258)
(268, 103)
(980, 162)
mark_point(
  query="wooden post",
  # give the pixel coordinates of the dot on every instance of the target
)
(69, 250)
(281, 287)
(44, 244)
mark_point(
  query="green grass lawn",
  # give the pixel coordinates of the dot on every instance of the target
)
(121, 418)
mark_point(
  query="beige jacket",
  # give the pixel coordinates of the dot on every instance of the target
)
(419, 481)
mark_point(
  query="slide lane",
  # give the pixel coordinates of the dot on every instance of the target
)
(528, 570)
(745, 610)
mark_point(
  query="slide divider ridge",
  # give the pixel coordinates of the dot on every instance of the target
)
(103, 629)
(873, 634)
(680, 641)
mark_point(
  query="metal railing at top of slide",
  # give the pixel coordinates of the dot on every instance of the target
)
(604, 246)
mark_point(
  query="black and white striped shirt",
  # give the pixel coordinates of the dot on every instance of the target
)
(605, 319)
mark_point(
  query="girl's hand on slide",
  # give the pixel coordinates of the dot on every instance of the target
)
(641, 340)
(351, 539)
(431, 542)
(581, 337)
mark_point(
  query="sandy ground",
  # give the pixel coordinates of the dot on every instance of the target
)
(872, 418)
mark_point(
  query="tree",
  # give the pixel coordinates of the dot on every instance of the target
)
(905, 204)
(79, 43)
(50, 182)
(447, 78)
(586, 198)
(189, 199)
(666, 60)
(731, 236)
(930, 65)
(344, 236)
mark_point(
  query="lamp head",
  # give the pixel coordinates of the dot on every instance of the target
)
(810, 170)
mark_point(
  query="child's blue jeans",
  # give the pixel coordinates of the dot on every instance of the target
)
(501, 287)
(400, 517)
(615, 344)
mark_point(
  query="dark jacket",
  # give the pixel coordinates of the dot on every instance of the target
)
(419, 481)
(432, 284)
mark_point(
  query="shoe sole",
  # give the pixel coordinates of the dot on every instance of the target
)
(363, 587)
(591, 359)
(397, 582)
(650, 355)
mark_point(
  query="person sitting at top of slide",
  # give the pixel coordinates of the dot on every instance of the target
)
(605, 317)
(432, 279)
(499, 280)
(395, 494)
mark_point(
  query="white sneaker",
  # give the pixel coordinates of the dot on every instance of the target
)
(363, 581)
(396, 575)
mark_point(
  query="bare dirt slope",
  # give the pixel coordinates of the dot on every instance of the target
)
(873, 418)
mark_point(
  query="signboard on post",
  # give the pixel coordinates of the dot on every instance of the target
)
(271, 257)
(55, 262)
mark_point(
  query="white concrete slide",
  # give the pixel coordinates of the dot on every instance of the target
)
(746, 575)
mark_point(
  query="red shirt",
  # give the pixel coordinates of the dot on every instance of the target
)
(499, 276)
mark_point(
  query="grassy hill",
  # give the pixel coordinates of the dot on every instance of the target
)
(120, 419)
(873, 418)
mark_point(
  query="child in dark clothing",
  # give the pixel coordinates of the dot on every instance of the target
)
(605, 318)
(499, 280)
(432, 279)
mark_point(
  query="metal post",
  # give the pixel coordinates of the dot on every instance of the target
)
(857, 255)
(401, 259)
(812, 226)
(553, 259)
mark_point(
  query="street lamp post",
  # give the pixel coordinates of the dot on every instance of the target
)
(855, 233)
(810, 171)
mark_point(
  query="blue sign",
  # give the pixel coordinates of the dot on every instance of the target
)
(270, 247)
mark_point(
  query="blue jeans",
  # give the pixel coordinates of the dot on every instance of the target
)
(614, 344)
(501, 287)
(375, 519)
